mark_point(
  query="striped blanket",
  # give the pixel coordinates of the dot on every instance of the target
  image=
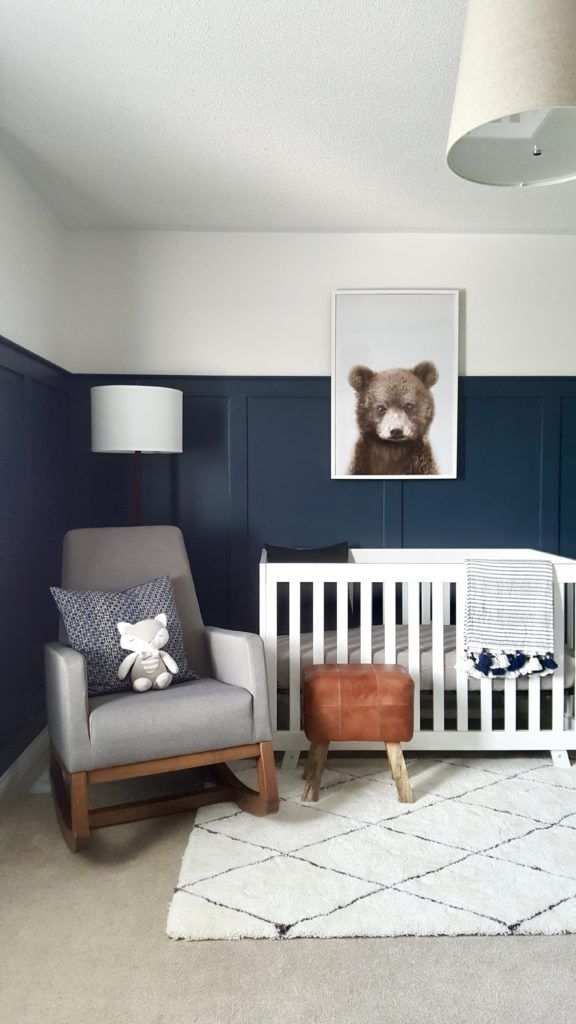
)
(509, 618)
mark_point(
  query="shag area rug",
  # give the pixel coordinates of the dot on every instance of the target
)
(488, 848)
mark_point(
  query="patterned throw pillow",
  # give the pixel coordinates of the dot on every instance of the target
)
(90, 619)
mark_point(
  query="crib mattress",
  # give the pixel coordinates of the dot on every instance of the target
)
(283, 666)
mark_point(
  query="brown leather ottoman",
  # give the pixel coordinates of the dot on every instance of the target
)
(357, 702)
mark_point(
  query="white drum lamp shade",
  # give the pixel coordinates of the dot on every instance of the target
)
(136, 418)
(514, 116)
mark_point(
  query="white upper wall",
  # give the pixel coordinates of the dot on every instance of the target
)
(260, 303)
(30, 268)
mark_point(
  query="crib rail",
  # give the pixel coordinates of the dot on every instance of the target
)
(411, 611)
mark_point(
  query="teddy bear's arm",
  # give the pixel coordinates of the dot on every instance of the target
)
(126, 665)
(169, 662)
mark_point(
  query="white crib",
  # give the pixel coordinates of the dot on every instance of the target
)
(406, 605)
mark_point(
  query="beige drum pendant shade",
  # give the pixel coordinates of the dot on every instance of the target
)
(514, 116)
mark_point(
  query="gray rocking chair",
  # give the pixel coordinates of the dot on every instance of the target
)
(222, 716)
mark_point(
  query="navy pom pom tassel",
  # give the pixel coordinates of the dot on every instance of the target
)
(483, 662)
(517, 661)
(548, 661)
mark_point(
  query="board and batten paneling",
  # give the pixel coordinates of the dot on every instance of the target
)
(567, 519)
(256, 469)
(498, 489)
(34, 514)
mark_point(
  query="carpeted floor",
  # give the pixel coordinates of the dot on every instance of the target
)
(83, 939)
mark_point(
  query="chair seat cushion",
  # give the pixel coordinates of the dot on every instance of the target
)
(202, 714)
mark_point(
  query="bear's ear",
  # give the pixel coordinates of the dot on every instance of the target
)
(360, 377)
(427, 373)
(123, 627)
(161, 618)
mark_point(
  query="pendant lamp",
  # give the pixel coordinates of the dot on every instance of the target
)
(514, 116)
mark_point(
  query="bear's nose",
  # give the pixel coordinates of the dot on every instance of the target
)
(396, 432)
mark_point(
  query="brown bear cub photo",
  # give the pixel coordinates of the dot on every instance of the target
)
(394, 410)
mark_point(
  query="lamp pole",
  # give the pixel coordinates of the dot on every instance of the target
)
(137, 488)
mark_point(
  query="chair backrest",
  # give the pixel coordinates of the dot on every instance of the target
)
(119, 557)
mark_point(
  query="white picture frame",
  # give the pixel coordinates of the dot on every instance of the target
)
(381, 423)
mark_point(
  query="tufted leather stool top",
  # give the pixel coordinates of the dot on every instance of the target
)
(357, 702)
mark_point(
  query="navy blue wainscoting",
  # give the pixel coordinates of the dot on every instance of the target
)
(256, 468)
(34, 511)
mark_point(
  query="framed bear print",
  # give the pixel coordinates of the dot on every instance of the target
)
(394, 384)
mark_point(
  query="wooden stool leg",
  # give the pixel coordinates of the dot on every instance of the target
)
(307, 764)
(315, 767)
(399, 773)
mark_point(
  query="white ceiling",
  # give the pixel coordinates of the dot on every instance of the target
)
(248, 115)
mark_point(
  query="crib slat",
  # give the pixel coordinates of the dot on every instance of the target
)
(558, 677)
(405, 605)
(294, 649)
(414, 644)
(534, 703)
(461, 677)
(426, 602)
(318, 622)
(271, 648)
(447, 608)
(486, 705)
(366, 622)
(510, 705)
(570, 663)
(390, 622)
(342, 622)
(570, 615)
(438, 655)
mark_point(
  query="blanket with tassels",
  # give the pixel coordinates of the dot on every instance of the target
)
(508, 618)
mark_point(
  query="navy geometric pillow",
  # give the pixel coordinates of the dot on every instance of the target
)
(90, 620)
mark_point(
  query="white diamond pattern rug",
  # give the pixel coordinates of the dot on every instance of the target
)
(487, 848)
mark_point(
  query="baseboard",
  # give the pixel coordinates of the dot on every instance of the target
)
(16, 773)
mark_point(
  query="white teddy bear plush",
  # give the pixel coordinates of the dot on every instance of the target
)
(152, 668)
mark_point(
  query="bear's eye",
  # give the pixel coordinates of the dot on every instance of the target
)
(380, 409)
(409, 407)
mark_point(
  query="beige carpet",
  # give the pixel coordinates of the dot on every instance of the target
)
(82, 939)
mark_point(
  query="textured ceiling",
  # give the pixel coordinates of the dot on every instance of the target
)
(247, 114)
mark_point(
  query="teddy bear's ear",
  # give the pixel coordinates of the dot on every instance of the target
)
(123, 627)
(161, 618)
(427, 373)
(359, 377)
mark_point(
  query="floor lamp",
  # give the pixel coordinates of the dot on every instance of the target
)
(136, 419)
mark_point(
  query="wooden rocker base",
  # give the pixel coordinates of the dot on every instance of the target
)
(77, 820)
(316, 761)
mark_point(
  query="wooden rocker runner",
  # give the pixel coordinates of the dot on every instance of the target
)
(357, 702)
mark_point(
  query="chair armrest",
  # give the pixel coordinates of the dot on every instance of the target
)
(67, 705)
(238, 659)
